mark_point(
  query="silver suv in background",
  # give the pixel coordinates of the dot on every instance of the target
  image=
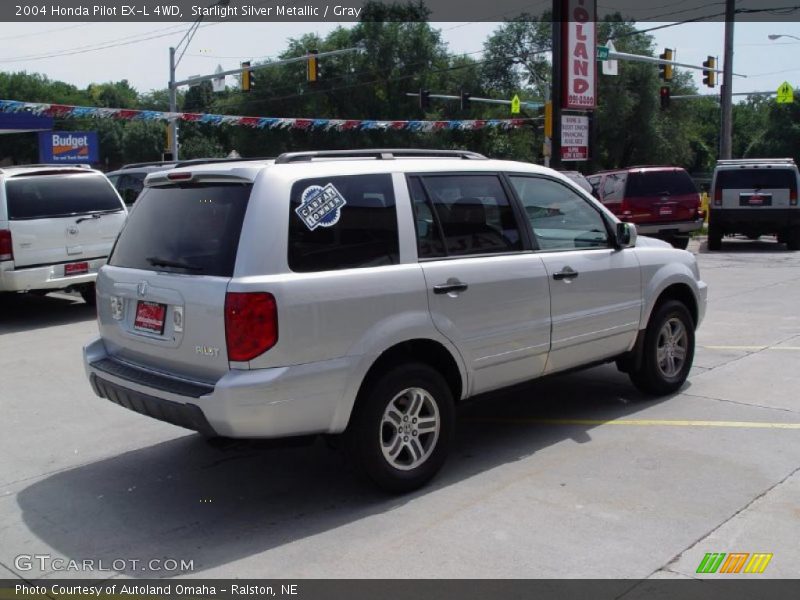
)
(57, 226)
(755, 197)
(366, 293)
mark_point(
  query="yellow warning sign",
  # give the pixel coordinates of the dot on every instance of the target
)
(785, 93)
(515, 105)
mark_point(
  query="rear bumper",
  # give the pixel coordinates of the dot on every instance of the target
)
(668, 229)
(768, 220)
(49, 277)
(262, 403)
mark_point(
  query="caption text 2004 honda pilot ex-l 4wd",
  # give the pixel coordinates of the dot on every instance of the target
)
(366, 293)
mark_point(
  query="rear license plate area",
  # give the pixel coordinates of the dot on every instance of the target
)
(665, 211)
(150, 317)
(78, 268)
(755, 200)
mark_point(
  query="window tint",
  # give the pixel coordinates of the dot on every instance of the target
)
(364, 234)
(614, 187)
(659, 183)
(191, 229)
(48, 196)
(474, 213)
(130, 186)
(755, 179)
(560, 219)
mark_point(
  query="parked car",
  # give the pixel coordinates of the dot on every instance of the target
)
(366, 293)
(578, 178)
(755, 197)
(129, 179)
(57, 226)
(662, 202)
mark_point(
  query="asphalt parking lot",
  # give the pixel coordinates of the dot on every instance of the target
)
(573, 476)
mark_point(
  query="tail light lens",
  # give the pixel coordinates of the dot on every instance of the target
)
(6, 249)
(792, 197)
(625, 210)
(718, 197)
(251, 324)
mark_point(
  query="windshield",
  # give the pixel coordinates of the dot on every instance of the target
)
(52, 196)
(756, 179)
(184, 229)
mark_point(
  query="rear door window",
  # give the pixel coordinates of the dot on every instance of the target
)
(343, 223)
(190, 229)
(471, 212)
(54, 196)
(756, 179)
(648, 184)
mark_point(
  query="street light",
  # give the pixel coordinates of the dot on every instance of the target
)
(775, 36)
(173, 64)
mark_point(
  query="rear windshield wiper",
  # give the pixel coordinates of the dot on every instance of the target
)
(166, 262)
(97, 215)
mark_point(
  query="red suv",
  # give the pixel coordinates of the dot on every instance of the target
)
(663, 202)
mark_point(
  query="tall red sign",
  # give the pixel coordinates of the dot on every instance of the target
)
(579, 54)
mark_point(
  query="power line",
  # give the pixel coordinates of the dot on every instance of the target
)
(46, 31)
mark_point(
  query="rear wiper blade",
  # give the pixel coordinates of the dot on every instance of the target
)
(96, 215)
(166, 262)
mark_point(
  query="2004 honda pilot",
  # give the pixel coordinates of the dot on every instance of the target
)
(367, 292)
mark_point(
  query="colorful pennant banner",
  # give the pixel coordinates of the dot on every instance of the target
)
(63, 111)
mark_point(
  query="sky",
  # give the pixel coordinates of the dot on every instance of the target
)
(66, 51)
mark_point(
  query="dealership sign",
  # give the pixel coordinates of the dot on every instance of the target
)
(574, 137)
(579, 54)
(68, 147)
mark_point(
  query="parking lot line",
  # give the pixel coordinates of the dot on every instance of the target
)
(756, 348)
(639, 423)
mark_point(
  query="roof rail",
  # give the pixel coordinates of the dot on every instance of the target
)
(152, 163)
(377, 154)
(208, 161)
(50, 165)
(762, 161)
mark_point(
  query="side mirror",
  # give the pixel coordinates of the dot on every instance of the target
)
(626, 235)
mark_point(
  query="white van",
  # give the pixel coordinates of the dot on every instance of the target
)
(57, 227)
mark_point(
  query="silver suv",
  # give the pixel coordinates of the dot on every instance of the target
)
(57, 227)
(366, 293)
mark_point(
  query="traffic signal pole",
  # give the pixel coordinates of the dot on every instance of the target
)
(726, 93)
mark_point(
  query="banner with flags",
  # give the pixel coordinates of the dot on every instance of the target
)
(64, 111)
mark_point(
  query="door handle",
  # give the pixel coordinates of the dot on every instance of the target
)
(452, 285)
(565, 273)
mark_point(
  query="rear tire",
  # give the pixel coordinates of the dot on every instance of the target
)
(402, 427)
(714, 237)
(88, 294)
(680, 242)
(668, 350)
(793, 240)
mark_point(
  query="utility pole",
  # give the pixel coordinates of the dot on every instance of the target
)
(726, 136)
(173, 106)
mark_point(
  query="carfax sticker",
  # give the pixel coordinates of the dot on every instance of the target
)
(320, 206)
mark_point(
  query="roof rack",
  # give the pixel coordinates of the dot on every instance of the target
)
(377, 154)
(761, 161)
(208, 161)
(152, 163)
(50, 165)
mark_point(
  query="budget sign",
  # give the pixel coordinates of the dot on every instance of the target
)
(68, 147)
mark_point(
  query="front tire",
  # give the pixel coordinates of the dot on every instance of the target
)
(668, 350)
(402, 427)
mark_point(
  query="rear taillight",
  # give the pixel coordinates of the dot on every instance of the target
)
(792, 197)
(718, 197)
(625, 209)
(251, 324)
(6, 249)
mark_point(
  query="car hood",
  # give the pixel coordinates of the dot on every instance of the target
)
(643, 240)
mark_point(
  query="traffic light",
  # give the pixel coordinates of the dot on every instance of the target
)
(247, 78)
(709, 75)
(664, 97)
(465, 100)
(665, 71)
(312, 66)
(424, 99)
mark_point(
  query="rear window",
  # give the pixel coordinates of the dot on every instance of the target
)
(192, 229)
(659, 183)
(52, 196)
(756, 179)
(343, 223)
